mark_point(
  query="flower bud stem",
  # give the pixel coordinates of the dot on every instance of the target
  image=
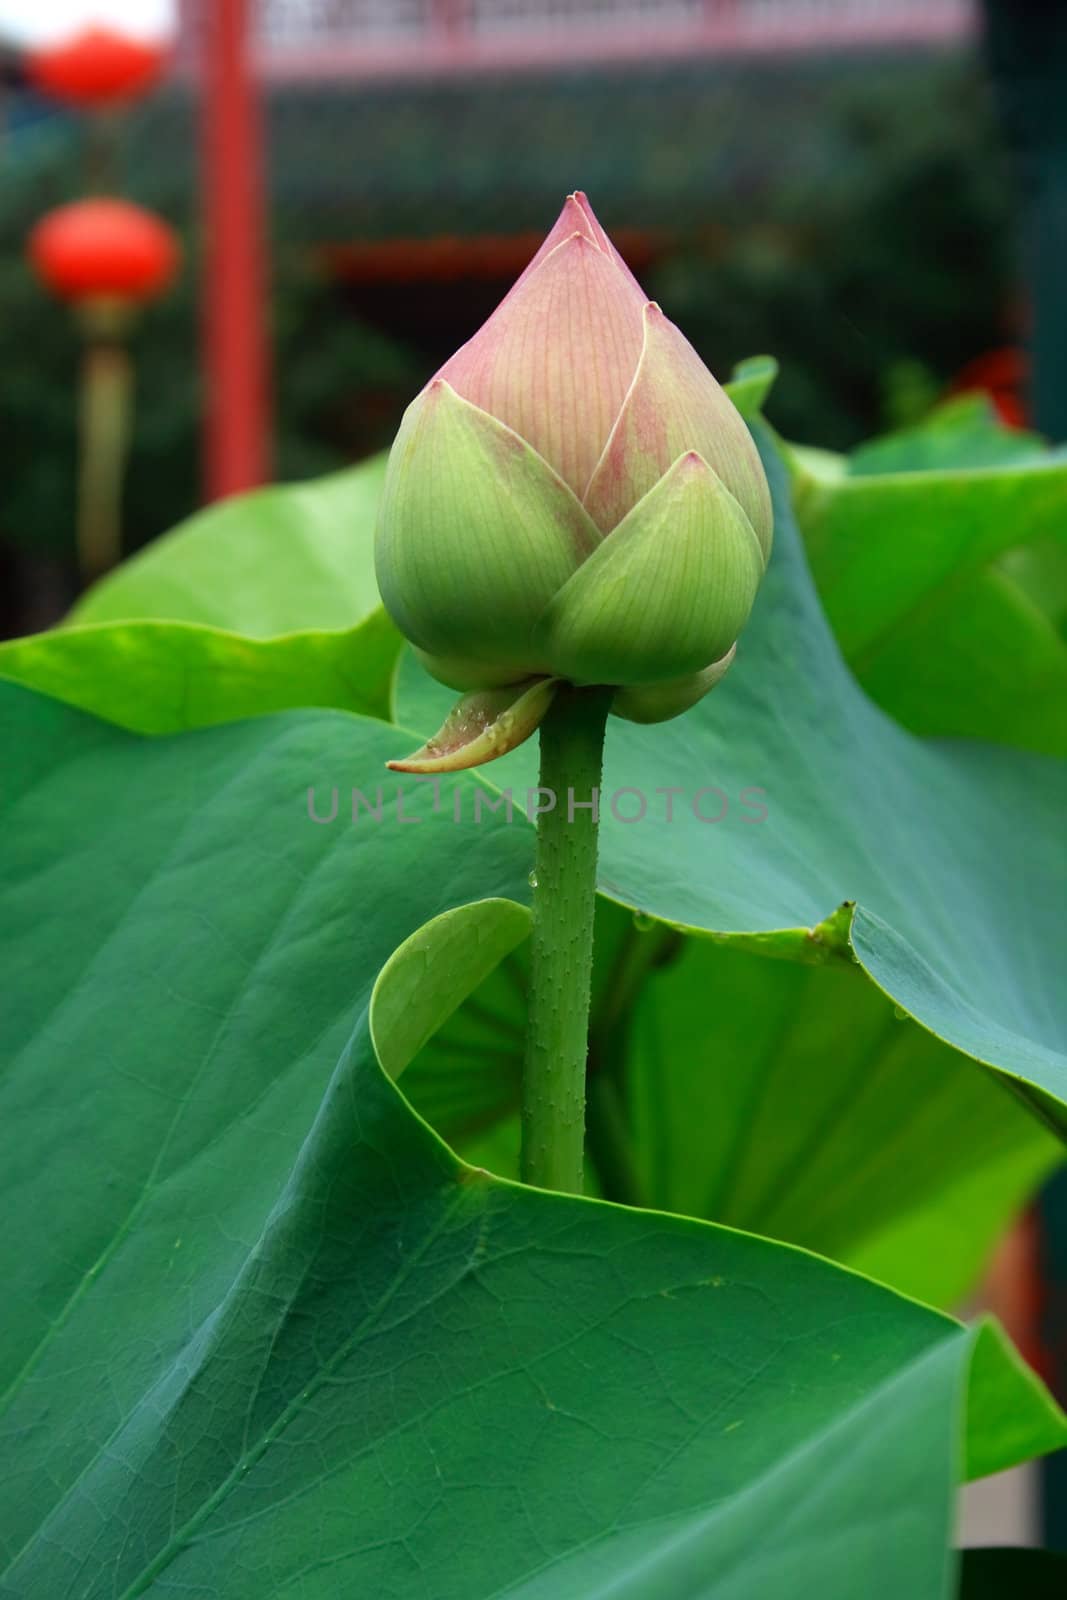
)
(557, 1038)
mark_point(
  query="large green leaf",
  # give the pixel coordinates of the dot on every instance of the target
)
(946, 859)
(275, 561)
(786, 1098)
(265, 1335)
(908, 547)
(807, 1520)
(796, 1101)
(159, 676)
(803, 1522)
(163, 677)
(260, 603)
(1039, 571)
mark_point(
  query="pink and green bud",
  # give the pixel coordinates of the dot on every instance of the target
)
(573, 496)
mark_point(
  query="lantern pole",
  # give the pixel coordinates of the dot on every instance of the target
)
(235, 352)
(104, 428)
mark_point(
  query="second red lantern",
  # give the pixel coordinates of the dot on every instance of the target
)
(96, 67)
(104, 249)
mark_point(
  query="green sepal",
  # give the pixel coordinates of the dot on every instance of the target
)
(456, 672)
(668, 591)
(659, 702)
(475, 534)
(481, 727)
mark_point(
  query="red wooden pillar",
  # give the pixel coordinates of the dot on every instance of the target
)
(236, 357)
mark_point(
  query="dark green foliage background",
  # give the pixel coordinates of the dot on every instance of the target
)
(826, 210)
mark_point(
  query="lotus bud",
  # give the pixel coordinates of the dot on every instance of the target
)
(571, 498)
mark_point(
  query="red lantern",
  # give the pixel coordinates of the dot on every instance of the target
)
(105, 257)
(96, 67)
(104, 250)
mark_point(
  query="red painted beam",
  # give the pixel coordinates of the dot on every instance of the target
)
(448, 19)
(723, 30)
(236, 360)
(447, 258)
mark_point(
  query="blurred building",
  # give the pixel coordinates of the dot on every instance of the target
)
(358, 38)
(472, 114)
(809, 177)
(431, 141)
